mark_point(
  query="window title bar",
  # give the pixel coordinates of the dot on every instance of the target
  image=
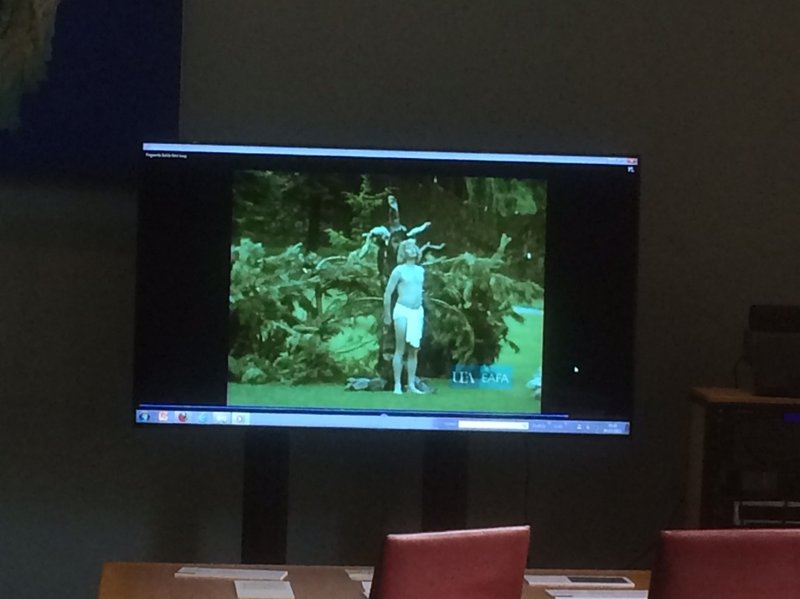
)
(178, 148)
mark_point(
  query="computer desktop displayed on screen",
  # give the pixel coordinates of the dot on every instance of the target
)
(385, 289)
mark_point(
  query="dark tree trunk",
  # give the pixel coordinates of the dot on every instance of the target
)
(387, 260)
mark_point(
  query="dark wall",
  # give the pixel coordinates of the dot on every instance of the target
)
(706, 94)
(78, 485)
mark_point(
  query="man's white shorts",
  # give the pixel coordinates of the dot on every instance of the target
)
(415, 318)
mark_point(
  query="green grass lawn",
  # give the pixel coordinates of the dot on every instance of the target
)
(518, 399)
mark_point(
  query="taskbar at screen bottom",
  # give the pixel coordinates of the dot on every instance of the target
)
(193, 416)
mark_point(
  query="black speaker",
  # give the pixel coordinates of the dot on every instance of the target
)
(774, 319)
(772, 346)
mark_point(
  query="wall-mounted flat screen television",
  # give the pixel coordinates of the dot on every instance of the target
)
(385, 289)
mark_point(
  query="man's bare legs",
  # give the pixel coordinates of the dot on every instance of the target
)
(400, 324)
(412, 369)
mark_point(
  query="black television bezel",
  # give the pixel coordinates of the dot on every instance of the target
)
(225, 156)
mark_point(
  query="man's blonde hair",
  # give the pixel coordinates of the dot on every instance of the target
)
(402, 250)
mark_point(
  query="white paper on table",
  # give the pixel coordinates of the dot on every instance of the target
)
(230, 573)
(572, 581)
(597, 593)
(359, 574)
(263, 589)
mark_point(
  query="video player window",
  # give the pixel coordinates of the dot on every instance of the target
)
(312, 287)
(380, 292)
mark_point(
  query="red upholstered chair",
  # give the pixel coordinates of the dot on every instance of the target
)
(486, 563)
(727, 564)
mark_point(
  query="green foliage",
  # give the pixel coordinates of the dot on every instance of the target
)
(306, 293)
(364, 205)
(286, 308)
(504, 197)
(260, 208)
(281, 208)
(340, 242)
(469, 298)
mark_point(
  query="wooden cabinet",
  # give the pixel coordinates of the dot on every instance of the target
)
(744, 460)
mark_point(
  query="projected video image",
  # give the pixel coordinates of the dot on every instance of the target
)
(374, 292)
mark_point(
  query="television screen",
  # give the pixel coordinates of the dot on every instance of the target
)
(385, 289)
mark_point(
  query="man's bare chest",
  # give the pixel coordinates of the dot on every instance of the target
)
(412, 276)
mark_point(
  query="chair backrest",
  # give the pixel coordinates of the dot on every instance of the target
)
(727, 564)
(487, 563)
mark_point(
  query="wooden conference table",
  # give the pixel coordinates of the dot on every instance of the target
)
(129, 580)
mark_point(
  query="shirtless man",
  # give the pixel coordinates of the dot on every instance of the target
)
(408, 316)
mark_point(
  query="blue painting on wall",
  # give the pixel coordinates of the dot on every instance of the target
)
(84, 82)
